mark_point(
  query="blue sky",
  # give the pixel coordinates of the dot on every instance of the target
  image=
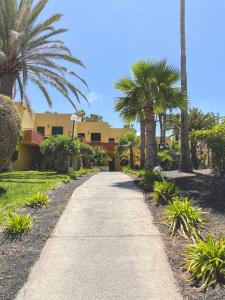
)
(109, 35)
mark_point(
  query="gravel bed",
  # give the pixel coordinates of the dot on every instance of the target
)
(17, 257)
(208, 193)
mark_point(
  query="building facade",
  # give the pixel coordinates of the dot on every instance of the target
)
(39, 126)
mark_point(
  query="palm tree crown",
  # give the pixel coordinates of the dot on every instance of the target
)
(31, 51)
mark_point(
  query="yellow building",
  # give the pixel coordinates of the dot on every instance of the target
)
(38, 126)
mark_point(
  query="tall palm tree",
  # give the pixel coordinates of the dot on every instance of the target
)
(94, 118)
(186, 164)
(152, 80)
(131, 109)
(31, 51)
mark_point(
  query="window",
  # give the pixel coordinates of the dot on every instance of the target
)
(81, 136)
(96, 137)
(111, 140)
(57, 130)
(41, 130)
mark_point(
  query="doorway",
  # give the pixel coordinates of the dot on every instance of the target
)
(112, 165)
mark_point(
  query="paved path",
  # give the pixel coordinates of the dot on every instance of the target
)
(104, 247)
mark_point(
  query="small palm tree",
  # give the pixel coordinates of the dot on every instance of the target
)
(94, 118)
(31, 51)
(128, 142)
(81, 114)
(131, 109)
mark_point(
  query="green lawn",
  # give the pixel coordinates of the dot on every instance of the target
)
(16, 187)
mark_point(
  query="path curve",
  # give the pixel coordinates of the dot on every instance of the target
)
(104, 247)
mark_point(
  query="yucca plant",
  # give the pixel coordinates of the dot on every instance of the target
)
(31, 51)
(39, 199)
(66, 179)
(17, 224)
(184, 218)
(205, 261)
(164, 192)
(148, 177)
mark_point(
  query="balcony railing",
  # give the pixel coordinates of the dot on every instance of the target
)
(32, 137)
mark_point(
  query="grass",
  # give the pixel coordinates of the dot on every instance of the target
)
(21, 185)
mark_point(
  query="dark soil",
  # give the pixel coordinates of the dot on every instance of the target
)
(208, 193)
(17, 257)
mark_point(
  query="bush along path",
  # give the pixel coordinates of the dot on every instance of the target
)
(31, 223)
(104, 246)
(189, 211)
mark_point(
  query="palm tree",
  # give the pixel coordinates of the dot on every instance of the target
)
(81, 114)
(31, 51)
(152, 80)
(131, 108)
(93, 118)
(128, 142)
(185, 157)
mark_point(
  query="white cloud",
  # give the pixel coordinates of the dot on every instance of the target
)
(94, 97)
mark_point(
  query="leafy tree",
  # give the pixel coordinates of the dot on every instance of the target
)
(101, 157)
(198, 121)
(9, 132)
(128, 142)
(87, 153)
(185, 157)
(215, 140)
(58, 151)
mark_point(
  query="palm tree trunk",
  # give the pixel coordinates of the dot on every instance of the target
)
(131, 157)
(151, 160)
(142, 146)
(164, 128)
(7, 82)
(161, 128)
(185, 157)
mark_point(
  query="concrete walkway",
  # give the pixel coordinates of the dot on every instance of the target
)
(103, 247)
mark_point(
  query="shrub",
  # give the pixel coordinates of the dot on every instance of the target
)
(87, 155)
(66, 179)
(39, 199)
(9, 131)
(184, 218)
(148, 177)
(18, 224)
(205, 261)
(59, 152)
(164, 192)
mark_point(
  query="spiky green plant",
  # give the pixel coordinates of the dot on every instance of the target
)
(18, 224)
(37, 200)
(164, 192)
(205, 261)
(31, 50)
(184, 218)
(66, 179)
(148, 178)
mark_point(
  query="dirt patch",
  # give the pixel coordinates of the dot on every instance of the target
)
(209, 194)
(17, 258)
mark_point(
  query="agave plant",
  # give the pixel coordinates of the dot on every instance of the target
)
(31, 51)
(185, 219)
(206, 261)
(164, 192)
